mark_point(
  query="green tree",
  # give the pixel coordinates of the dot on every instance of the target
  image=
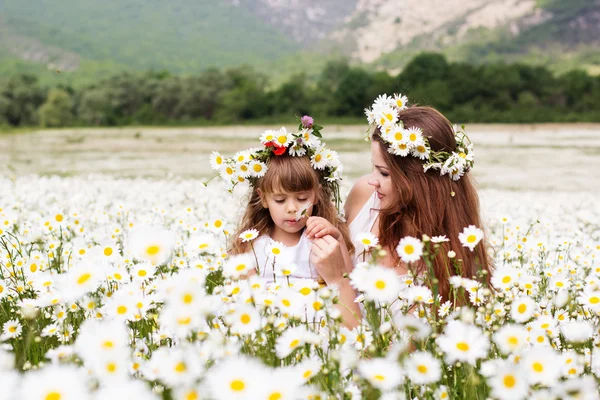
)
(57, 110)
(96, 108)
(246, 99)
(424, 68)
(24, 96)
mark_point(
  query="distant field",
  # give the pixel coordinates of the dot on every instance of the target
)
(510, 157)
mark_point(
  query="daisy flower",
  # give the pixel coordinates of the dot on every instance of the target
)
(439, 239)
(400, 101)
(510, 338)
(199, 244)
(396, 135)
(577, 331)
(54, 382)
(268, 136)
(421, 151)
(422, 368)
(143, 271)
(303, 211)
(463, 342)
(504, 277)
(508, 382)
(319, 159)
(275, 249)
(244, 320)
(414, 136)
(410, 249)
(283, 137)
(236, 378)
(241, 157)
(11, 329)
(248, 235)
(151, 243)
(227, 172)
(386, 115)
(238, 265)
(470, 236)
(366, 240)
(216, 160)
(382, 373)
(257, 168)
(540, 365)
(292, 339)
(382, 285)
(522, 309)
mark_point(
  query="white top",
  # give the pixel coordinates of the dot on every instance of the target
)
(363, 222)
(298, 254)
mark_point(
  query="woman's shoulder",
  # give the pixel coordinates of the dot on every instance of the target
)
(358, 196)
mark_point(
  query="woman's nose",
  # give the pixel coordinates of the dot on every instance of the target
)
(373, 182)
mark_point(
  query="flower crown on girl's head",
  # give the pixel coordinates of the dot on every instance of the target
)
(404, 141)
(252, 164)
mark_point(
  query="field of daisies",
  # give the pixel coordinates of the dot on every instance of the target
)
(122, 289)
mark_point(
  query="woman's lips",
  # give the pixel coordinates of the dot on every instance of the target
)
(380, 195)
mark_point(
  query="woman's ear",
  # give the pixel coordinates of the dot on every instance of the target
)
(263, 201)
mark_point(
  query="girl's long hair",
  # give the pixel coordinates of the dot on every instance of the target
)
(290, 174)
(425, 205)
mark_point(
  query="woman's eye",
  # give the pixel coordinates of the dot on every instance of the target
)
(385, 174)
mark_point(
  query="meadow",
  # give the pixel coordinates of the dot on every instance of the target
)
(115, 282)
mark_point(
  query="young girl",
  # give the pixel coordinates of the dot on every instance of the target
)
(420, 185)
(293, 179)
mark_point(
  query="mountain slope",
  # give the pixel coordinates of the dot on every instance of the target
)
(282, 37)
(179, 35)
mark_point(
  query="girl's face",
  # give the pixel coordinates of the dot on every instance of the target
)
(284, 207)
(381, 179)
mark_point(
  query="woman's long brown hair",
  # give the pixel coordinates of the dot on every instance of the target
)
(425, 205)
(290, 174)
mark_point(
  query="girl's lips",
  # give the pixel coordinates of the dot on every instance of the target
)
(291, 221)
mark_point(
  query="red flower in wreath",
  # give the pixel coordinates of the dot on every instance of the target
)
(279, 149)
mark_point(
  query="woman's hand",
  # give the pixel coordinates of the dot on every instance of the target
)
(327, 257)
(317, 227)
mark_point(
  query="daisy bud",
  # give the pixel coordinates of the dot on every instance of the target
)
(451, 254)
(385, 327)
(335, 314)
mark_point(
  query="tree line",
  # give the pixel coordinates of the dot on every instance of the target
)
(463, 92)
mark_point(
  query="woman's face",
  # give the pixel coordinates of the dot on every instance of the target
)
(380, 178)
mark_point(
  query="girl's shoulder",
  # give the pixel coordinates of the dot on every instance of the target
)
(358, 196)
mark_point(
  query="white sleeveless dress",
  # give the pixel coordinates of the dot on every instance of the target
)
(298, 254)
(364, 222)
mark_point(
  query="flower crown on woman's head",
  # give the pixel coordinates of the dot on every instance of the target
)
(403, 141)
(252, 164)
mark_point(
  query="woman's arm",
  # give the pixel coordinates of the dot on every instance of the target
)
(327, 255)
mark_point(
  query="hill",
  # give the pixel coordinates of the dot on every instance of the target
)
(89, 38)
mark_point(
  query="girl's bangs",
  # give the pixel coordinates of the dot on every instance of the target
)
(289, 174)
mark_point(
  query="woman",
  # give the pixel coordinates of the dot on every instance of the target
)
(420, 185)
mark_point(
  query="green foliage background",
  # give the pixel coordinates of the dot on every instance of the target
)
(463, 92)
